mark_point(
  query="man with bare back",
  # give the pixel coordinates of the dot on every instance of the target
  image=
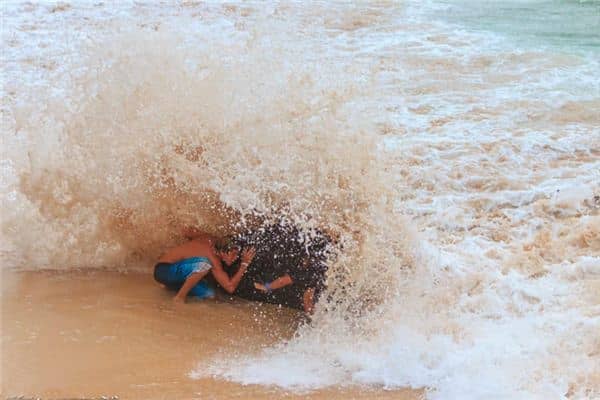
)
(183, 267)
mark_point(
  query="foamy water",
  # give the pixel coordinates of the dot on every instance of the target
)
(459, 165)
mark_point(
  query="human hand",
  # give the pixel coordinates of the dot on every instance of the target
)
(260, 286)
(247, 255)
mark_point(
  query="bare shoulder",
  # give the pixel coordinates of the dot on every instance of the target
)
(214, 260)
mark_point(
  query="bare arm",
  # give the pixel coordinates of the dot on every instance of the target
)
(230, 284)
(189, 283)
(281, 282)
(278, 283)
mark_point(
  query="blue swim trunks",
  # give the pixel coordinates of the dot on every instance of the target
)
(173, 275)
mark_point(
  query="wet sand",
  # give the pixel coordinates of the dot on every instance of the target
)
(99, 333)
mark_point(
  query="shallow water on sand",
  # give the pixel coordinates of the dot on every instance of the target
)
(98, 333)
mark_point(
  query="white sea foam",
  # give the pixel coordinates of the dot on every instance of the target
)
(460, 170)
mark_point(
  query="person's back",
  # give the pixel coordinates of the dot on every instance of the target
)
(200, 247)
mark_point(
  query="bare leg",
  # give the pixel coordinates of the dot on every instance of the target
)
(309, 300)
(189, 283)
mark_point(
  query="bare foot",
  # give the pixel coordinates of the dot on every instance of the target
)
(178, 300)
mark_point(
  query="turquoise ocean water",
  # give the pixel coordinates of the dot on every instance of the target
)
(570, 25)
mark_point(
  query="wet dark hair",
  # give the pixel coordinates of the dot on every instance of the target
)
(227, 244)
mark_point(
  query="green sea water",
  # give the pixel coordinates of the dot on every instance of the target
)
(568, 24)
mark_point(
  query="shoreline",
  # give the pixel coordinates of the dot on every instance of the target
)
(88, 334)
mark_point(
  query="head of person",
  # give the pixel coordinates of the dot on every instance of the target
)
(228, 250)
